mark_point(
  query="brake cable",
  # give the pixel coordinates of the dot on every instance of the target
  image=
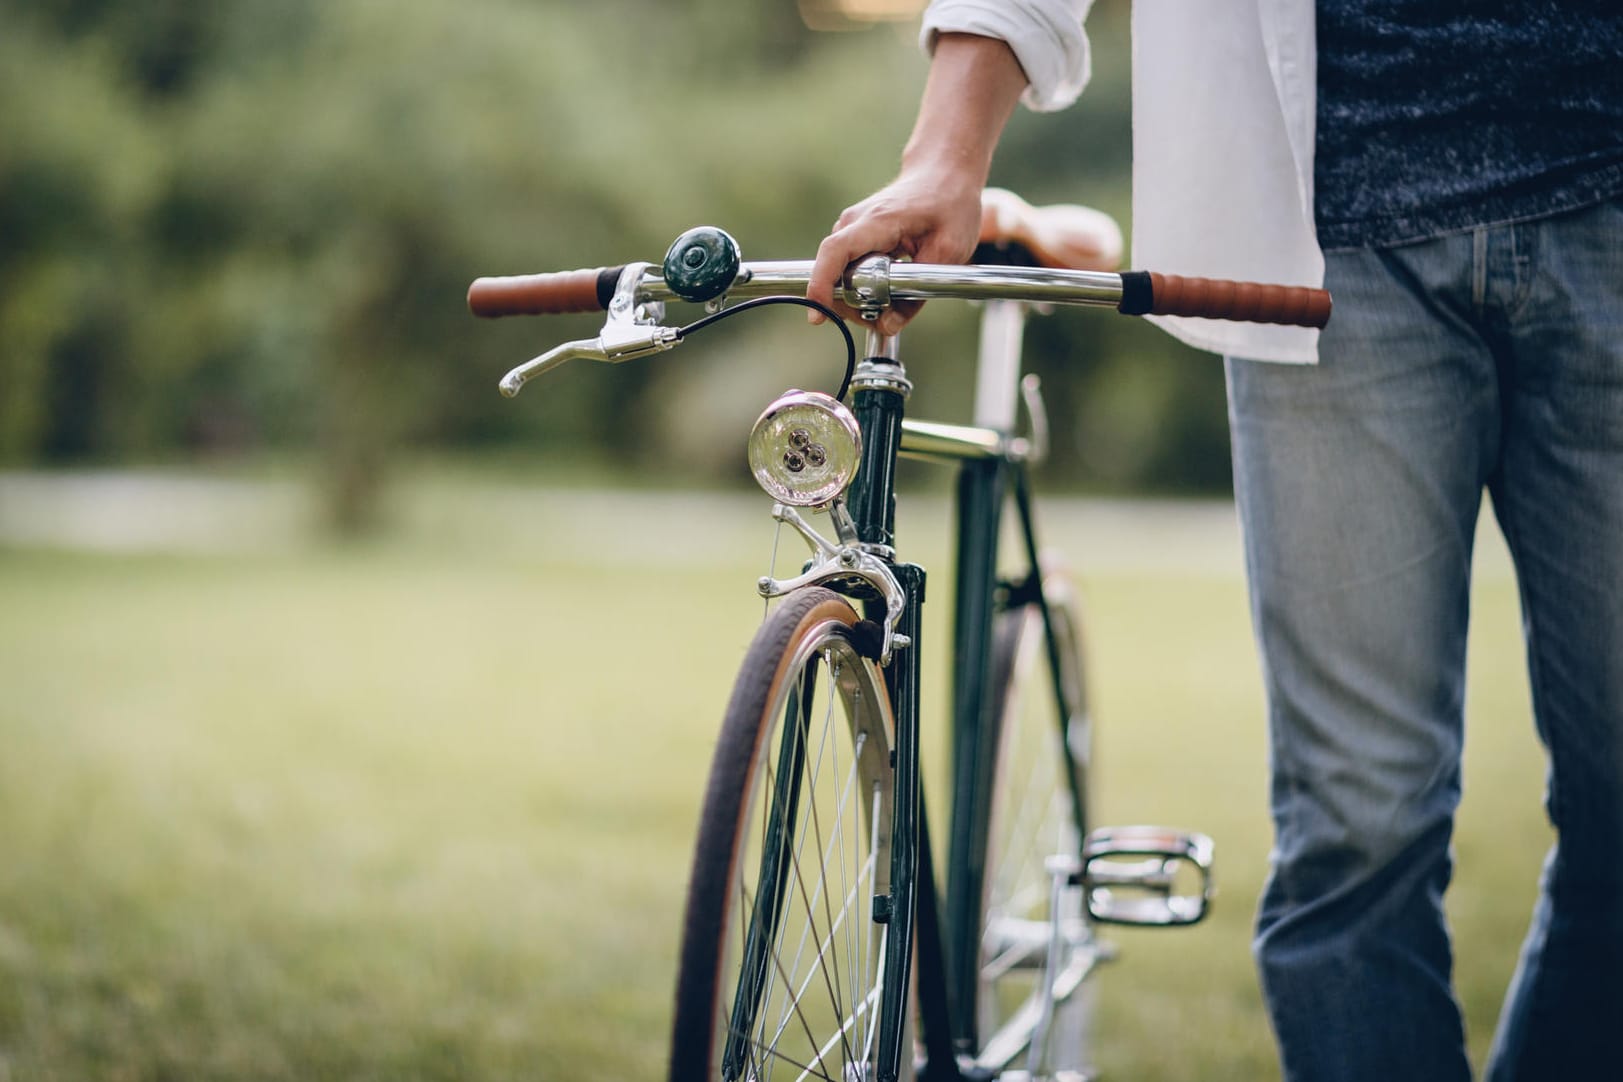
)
(804, 302)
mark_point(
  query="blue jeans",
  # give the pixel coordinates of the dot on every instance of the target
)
(1486, 360)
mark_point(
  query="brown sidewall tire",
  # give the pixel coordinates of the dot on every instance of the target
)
(750, 719)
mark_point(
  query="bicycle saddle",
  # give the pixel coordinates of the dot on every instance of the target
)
(1062, 235)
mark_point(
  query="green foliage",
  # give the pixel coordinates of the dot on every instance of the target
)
(243, 226)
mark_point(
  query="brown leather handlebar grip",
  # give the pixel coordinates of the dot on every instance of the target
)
(543, 294)
(1150, 293)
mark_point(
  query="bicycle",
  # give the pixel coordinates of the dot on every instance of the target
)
(817, 939)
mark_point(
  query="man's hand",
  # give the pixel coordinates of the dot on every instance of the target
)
(931, 212)
(922, 216)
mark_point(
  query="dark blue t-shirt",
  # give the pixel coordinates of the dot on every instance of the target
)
(1435, 116)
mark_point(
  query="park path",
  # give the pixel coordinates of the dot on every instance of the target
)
(187, 512)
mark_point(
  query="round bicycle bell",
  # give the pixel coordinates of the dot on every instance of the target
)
(702, 264)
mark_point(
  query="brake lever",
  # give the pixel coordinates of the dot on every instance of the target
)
(631, 330)
(623, 345)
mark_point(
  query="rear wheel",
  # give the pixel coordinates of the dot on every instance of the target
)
(1037, 946)
(782, 962)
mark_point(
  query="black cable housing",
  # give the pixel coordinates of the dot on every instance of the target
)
(804, 302)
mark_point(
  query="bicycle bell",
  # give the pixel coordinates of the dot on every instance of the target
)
(701, 264)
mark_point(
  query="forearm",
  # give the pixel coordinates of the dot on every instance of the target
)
(932, 211)
(973, 87)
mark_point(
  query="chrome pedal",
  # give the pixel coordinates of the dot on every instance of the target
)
(1146, 876)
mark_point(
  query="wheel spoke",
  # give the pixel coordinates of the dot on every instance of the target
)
(831, 973)
(824, 945)
(777, 1057)
(817, 895)
(847, 1022)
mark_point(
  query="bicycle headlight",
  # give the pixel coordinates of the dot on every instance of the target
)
(805, 448)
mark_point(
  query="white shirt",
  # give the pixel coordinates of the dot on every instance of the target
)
(1223, 128)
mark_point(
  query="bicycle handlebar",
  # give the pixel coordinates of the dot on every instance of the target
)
(874, 282)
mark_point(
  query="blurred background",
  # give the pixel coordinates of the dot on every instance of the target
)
(346, 729)
(238, 233)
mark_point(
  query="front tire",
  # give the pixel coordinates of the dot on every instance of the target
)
(782, 963)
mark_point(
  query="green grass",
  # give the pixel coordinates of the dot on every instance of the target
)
(422, 811)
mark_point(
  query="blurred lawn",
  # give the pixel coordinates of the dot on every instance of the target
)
(421, 809)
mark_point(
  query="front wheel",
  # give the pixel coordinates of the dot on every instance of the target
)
(782, 960)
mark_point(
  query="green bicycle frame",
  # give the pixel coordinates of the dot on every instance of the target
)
(946, 932)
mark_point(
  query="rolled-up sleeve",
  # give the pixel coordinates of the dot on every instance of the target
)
(1045, 35)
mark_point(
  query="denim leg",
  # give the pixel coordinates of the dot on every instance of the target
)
(1359, 482)
(1558, 495)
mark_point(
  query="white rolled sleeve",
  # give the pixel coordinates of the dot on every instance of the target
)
(1046, 36)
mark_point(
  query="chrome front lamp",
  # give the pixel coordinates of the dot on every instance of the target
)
(805, 448)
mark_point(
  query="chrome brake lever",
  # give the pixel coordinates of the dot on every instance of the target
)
(631, 330)
(610, 350)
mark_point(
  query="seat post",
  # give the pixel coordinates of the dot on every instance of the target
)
(997, 373)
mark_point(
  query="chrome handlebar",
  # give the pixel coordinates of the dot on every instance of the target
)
(874, 282)
(633, 328)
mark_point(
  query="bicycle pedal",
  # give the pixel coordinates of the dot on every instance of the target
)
(1146, 876)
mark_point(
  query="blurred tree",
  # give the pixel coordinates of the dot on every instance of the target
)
(244, 226)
